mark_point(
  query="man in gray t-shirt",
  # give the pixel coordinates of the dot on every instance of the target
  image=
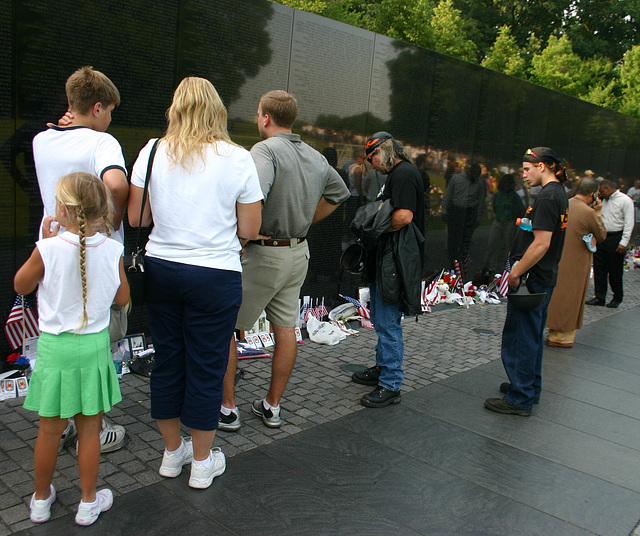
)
(300, 188)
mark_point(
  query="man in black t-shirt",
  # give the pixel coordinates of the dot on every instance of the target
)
(404, 188)
(537, 253)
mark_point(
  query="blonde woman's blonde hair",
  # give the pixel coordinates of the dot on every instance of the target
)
(88, 206)
(196, 118)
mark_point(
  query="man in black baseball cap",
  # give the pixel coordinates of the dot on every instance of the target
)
(537, 253)
(389, 299)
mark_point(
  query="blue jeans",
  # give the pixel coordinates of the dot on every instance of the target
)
(522, 347)
(390, 347)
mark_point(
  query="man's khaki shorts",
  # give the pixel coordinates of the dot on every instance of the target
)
(271, 280)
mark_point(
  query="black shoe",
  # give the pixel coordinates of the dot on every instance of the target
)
(500, 406)
(504, 387)
(380, 397)
(613, 304)
(367, 376)
(594, 301)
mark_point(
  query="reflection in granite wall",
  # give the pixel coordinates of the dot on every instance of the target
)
(349, 83)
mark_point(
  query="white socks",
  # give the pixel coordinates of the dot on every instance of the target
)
(227, 411)
(178, 451)
(266, 404)
(205, 463)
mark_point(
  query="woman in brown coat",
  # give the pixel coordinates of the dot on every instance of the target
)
(567, 303)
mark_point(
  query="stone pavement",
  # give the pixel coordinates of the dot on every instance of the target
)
(438, 348)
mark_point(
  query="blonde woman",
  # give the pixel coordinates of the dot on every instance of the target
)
(204, 199)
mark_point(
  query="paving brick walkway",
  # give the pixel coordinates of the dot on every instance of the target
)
(440, 345)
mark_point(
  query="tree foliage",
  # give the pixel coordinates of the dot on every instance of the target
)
(586, 48)
(449, 32)
(630, 79)
(558, 67)
(505, 55)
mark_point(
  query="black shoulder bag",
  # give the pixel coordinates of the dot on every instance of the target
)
(135, 270)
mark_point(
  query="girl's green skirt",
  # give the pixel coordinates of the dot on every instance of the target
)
(73, 374)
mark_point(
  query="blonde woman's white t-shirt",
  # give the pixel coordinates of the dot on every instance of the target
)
(194, 210)
(60, 291)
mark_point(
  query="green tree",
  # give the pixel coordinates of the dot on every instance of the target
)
(559, 68)
(505, 55)
(449, 32)
(603, 28)
(630, 79)
(406, 20)
(602, 79)
(542, 17)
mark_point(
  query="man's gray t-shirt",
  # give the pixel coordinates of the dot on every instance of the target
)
(294, 177)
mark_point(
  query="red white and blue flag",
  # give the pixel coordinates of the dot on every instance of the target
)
(21, 324)
(365, 320)
(503, 285)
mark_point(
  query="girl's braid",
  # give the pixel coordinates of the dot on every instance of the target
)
(82, 229)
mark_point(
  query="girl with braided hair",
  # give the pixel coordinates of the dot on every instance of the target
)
(79, 274)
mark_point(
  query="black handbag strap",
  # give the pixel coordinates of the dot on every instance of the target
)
(146, 189)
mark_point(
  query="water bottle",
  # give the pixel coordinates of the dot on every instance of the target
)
(524, 224)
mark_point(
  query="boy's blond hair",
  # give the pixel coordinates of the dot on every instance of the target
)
(86, 87)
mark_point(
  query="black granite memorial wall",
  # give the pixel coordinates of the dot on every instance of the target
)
(349, 83)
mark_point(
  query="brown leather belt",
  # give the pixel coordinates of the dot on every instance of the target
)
(285, 242)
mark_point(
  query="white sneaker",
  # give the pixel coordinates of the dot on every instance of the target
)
(201, 476)
(172, 463)
(68, 434)
(88, 514)
(41, 508)
(111, 437)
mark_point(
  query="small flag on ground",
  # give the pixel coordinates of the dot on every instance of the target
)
(14, 329)
(503, 286)
(467, 266)
(365, 321)
(322, 310)
(457, 268)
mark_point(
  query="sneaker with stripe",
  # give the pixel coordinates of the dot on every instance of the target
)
(111, 437)
(270, 417)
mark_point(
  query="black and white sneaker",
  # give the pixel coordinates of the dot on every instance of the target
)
(270, 417)
(111, 437)
(229, 423)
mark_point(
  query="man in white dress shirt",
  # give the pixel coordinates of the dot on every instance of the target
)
(608, 260)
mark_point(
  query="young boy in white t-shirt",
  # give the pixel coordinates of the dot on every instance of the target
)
(83, 145)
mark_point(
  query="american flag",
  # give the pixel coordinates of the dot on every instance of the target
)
(457, 268)
(322, 310)
(13, 329)
(430, 294)
(365, 321)
(319, 311)
(467, 266)
(503, 286)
